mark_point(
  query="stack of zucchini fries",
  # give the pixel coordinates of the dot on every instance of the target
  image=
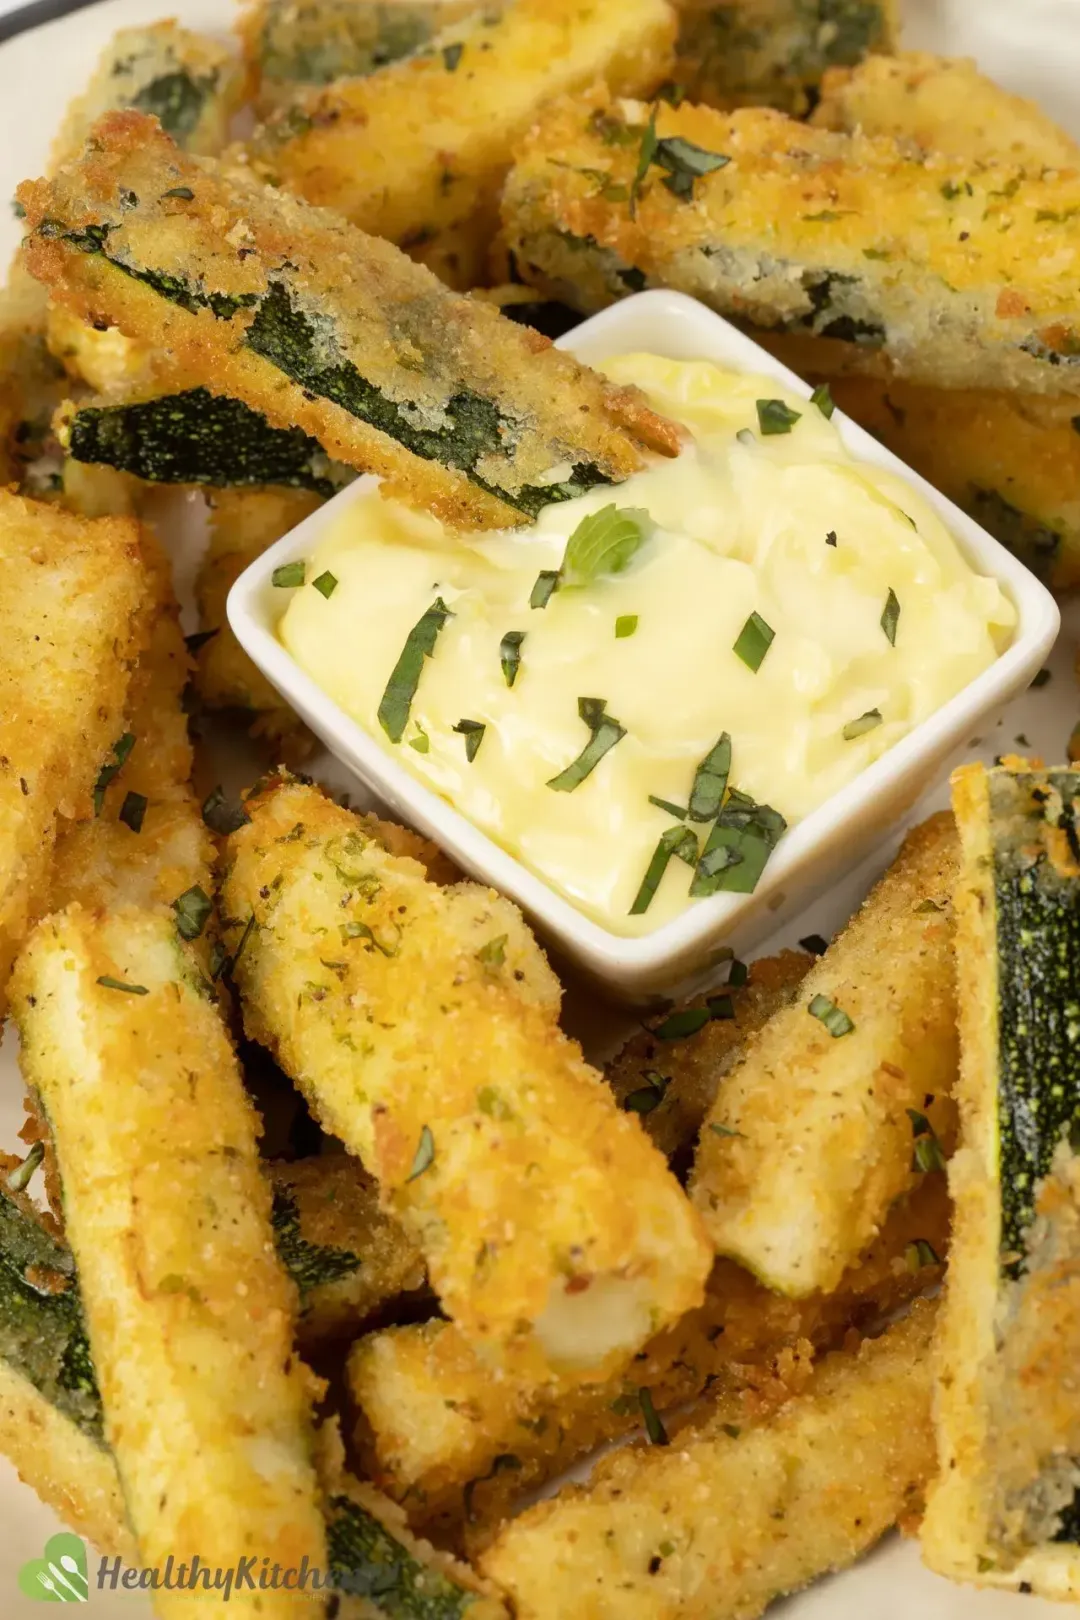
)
(329, 1248)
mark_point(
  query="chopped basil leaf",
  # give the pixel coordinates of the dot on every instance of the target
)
(738, 973)
(547, 583)
(493, 954)
(451, 55)
(221, 816)
(724, 1130)
(858, 728)
(673, 842)
(646, 1098)
(289, 575)
(109, 983)
(606, 732)
(646, 153)
(121, 749)
(193, 910)
(183, 193)
(687, 1021)
(510, 655)
(653, 1427)
(834, 1018)
(326, 584)
(625, 625)
(890, 616)
(133, 811)
(678, 811)
(738, 847)
(822, 398)
(919, 1254)
(755, 639)
(830, 538)
(927, 1154)
(711, 778)
(421, 742)
(473, 733)
(603, 543)
(685, 163)
(721, 1007)
(425, 1155)
(405, 676)
(815, 944)
(775, 417)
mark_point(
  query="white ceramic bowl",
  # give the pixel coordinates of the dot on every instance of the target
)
(813, 853)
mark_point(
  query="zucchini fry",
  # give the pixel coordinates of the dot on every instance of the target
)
(737, 1512)
(429, 1057)
(188, 1310)
(466, 413)
(457, 1447)
(349, 1261)
(942, 104)
(417, 153)
(670, 1080)
(773, 53)
(840, 1103)
(962, 275)
(71, 624)
(190, 83)
(1006, 1508)
(292, 45)
(31, 381)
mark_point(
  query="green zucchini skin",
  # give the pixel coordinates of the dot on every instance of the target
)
(317, 41)
(311, 1265)
(200, 438)
(368, 1562)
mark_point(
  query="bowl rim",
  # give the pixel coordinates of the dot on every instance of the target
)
(628, 962)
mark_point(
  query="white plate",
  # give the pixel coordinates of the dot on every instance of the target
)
(1033, 48)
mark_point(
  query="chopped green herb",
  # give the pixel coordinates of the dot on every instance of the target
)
(732, 1430)
(822, 398)
(451, 55)
(493, 954)
(858, 728)
(673, 842)
(603, 543)
(193, 910)
(222, 817)
(121, 749)
(723, 1130)
(510, 655)
(1041, 679)
(775, 417)
(646, 153)
(687, 1021)
(425, 1155)
(919, 1254)
(738, 973)
(625, 625)
(606, 732)
(326, 584)
(685, 162)
(473, 733)
(109, 983)
(721, 1007)
(890, 616)
(547, 583)
(421, 742)
(646, 1098)
(289, 576)
(133, 811)
(927, 1154)
(405, 677)
(678, 811)
(815, 944)
(181, 193)
(830, 538)
(653, 1427)
(711, 776)
(834, 1018)
(738, 847)
(755, 639)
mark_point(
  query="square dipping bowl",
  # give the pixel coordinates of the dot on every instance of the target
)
(817, 850)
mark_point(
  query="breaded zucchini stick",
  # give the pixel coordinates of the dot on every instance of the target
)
(452, 1443)
(449, 119)
(31, 380)
(348, 1260)
(419, 1047)
(1005, 1510)
(739, 1512)
(773, 53)
(190, 83)
(71, 628)
(292, 45)
(840, 1102)
(964, 276)
(942, 104)
(189, 1312)
(304, 318)
(669, 1074)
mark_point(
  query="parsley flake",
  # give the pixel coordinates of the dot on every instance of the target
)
(890, 616)
(289, 576)
(326, 584)
(775, 417)
(754, 640)
(425, 1155)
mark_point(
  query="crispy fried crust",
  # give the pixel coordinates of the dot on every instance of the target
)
(256, 294)
(813, 1139)
(457, 1447)
(736, 1513)
(417, 152)
(942, 104)
(447, 1073)
(966, 276)
(31, 381)
(188, 1309)
(70, 630)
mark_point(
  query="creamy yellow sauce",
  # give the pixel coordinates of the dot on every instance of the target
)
(740, 525)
